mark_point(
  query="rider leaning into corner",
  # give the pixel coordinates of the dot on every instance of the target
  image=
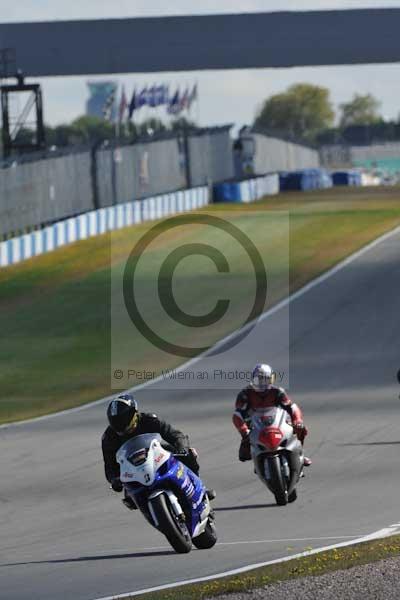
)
(262, 393)
(125, 423)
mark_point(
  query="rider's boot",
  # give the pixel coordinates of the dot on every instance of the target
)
(244, 449)
(129, 503)
(211, 494)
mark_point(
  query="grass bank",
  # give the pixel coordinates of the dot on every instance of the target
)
(55, 349)
(313, 565)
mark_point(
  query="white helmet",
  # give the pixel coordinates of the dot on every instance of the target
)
(262, 377)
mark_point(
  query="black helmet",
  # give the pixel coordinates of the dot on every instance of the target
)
(122, 414)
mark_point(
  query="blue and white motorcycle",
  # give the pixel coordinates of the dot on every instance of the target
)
(170, 496)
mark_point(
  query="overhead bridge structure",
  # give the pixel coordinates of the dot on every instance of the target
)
(240, 41)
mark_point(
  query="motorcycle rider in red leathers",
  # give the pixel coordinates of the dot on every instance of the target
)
(259, 394)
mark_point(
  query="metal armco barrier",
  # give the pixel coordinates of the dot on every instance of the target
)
(41, 190)
(110, 218)
(44, 191)
(100, 221)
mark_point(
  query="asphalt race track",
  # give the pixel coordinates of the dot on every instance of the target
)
(65, 535)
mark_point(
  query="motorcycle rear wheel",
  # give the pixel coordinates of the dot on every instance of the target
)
(176, 533)
(278, 482)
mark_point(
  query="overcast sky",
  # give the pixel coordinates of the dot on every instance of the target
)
(225, 96)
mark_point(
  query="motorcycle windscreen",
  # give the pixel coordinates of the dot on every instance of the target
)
(137, 443)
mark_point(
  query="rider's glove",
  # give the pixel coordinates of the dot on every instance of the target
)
(116, 484)
(300, 426)
(181, 450)
(300, 430)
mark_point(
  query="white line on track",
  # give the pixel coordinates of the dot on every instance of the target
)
(304, 539)
(382, 533)
(283, 540)
(282, 304)
(129, 551)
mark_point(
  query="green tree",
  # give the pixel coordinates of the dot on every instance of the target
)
(361, 110)
(151, 126)
(182, 123)
(88, 129)
(302, 111)
(63, 135)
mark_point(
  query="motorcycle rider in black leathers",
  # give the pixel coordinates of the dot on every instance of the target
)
(126, 422)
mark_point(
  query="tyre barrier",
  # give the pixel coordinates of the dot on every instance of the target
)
(305, 180)
(348, 177)
(248, 190)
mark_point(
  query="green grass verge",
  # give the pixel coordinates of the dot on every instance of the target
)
(313, 565)
(55, 309)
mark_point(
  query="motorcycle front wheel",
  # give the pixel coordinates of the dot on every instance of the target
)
(208, 538)
(278, 483)
(175, 531)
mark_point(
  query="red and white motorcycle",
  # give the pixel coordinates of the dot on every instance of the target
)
(276, 452)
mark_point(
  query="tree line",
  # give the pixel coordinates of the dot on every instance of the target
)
(305, 112)
(90, 130)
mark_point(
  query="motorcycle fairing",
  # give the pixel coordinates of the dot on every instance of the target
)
(190, 491)
(147, 469)
(265, 426)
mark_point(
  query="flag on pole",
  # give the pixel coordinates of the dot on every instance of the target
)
(184, 102)
(123, 105)
(109, 105)
(192, 96)
(152, 96)
(142, 97)
(174, 106)
(133, 104)
(162, 94)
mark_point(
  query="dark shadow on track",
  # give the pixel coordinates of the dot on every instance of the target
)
(372, 444)
(243, 507)
(91, 558)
